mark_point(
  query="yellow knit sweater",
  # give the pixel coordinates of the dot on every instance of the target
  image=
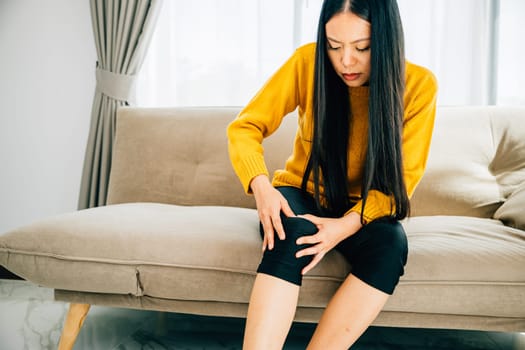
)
(291, 87)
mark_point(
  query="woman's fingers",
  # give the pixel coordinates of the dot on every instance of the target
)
(285, 207)
(268, 232)
(307, 251)
(270, 204)
(316, 249)
(278, 225)
(287, 211)
(272, 225)
(312, 263)
(312, 239)
(265, 243)
(316, 220)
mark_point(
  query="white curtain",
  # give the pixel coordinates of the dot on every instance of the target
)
(453, 39)
(511, 53)
(220, 52)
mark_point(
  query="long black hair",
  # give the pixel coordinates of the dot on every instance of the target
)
(328, 160)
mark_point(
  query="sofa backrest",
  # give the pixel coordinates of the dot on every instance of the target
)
(180, 156)
(476, 165)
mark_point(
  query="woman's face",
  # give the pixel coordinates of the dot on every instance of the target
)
(348, 39)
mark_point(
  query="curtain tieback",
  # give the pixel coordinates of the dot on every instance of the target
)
(114, 85)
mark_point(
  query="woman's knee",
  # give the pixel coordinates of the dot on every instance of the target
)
(391, 238)
(281, 260)
(380, 259)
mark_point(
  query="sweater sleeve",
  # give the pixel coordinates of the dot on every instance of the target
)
(260, 118)
(420, 110)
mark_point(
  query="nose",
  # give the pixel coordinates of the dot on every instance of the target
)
(348, 59)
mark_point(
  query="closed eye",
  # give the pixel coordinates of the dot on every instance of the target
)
(330, 47)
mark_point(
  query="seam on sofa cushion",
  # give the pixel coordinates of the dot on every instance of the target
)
(249, 272)
(146, 263)
(118, 262)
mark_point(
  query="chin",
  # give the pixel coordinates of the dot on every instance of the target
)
(354, 84)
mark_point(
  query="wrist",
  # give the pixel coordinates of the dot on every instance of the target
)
(352, 222)
(259, 182)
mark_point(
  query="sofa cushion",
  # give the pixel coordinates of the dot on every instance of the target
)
(149, 249)
(476, 162)
(211, 253)
(512, 212)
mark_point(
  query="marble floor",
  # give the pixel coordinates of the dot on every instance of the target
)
(31, 319)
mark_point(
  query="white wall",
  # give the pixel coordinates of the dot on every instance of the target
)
(47, 82)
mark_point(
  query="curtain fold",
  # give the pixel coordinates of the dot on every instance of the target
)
(122, 31)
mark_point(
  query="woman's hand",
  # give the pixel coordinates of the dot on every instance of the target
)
(331, 232)
(270, 203)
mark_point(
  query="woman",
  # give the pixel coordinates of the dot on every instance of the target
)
(365, 125)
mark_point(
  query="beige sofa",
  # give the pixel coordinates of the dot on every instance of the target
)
(180, 235)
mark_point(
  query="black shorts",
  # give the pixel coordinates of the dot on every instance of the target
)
(377, 253)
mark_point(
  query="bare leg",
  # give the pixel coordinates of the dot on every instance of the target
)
(272, 308)
(75, 318)
(348, 314)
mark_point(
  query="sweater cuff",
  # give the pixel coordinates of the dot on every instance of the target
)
(378, 205)
(249, 168)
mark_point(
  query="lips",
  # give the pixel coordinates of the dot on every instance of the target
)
(351, 76)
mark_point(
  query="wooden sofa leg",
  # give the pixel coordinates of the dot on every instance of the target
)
(75, 318)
